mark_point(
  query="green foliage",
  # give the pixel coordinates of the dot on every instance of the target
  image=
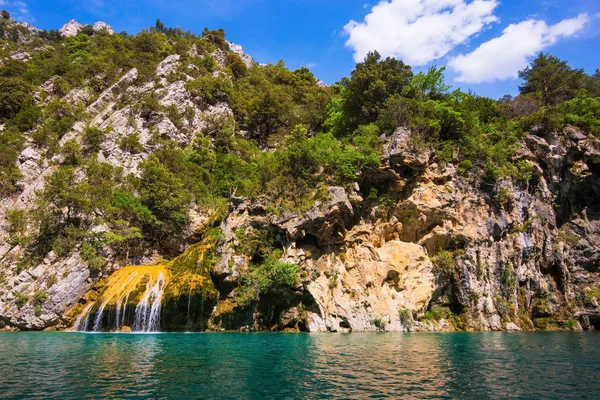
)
(583, 112)
(71, 152)
(209, 89)
(20, 299)
(429, 84)
(273, 274)
(216, 37)
(379, 324)
(14, 92)
(464, 166)
(373, 81)
(40, 296)
(437, 313)
(164, 194)
(253, 242)
(267, 101)
(237, 66)
(405, 317)
(17, 224)
(552, 79)
(11, 144)
(93, 138)
(444, 261)
(508, 279)
(131, 143)
(545, 323)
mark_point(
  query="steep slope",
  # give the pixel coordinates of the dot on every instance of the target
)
(377, 204)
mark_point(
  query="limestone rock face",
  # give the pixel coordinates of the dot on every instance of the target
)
(402, 151)
(438, 250)
(64, 282)
(72, 28)
(367, 291)
(326, 220)
(99, 26)
(237, 49)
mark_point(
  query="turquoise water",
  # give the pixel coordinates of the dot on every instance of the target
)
(236, 365)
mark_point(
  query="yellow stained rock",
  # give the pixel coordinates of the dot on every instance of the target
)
(129, 284)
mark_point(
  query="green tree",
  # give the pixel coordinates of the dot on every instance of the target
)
(237, 66)
(165, 196)
(552, 79)
(93, 138)
(429, 84)
(372, 82)
(11, 145)
(13, 94)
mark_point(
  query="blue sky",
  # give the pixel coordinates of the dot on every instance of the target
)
(483, 42)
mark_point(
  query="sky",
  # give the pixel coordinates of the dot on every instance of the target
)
(483, 43)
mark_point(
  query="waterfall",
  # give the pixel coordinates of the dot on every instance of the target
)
(142, 287)
(147, 312)
(82, 322)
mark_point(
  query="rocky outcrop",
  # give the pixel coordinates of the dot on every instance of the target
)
(325, 221)
(73, 28)
(100, 26)
(414, 245)
(237, 49)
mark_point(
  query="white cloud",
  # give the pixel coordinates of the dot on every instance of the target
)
(503, 57)
(18, 10)
(418, 31)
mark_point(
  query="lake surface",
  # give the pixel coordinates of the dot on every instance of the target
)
(237, 365)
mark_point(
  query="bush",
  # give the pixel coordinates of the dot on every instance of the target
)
(406, 317)
(379, 324)
(93, 138)
(210, 89)
(464, 167)
(544, 323)
(444, 261)
(20, 299)
(237, 66)
(437, 313)
(14, 92)
(273, 274)
(11, 144)
(17, 221)
(131, 143)
(40, 296)
(164, 194)
(71, 152)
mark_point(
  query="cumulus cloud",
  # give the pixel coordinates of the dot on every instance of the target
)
(418, 31)
(503, 57)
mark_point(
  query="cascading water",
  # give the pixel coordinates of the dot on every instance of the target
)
(147, 312)
(133, 296)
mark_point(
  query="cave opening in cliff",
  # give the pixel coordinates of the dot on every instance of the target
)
(307, 241)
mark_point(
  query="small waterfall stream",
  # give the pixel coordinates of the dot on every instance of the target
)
(147, 312)
(133, 296)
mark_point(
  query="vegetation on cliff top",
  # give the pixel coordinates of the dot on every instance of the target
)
(288, 135)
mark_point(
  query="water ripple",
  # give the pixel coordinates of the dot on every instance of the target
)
(242, 366)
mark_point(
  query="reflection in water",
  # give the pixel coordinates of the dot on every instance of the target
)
(478, 365)
(379, 365)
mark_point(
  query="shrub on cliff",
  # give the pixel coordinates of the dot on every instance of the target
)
(273, 274)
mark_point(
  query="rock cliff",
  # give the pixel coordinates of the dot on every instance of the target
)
(435, 249)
